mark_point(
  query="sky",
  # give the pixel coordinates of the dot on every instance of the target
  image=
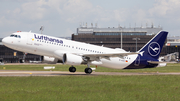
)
(61, 18)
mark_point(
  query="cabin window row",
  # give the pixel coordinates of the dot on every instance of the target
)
(72, 47)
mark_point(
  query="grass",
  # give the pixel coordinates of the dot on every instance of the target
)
(80, 68)
(91, 88)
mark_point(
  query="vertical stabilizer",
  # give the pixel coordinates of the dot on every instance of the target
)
(153, 48)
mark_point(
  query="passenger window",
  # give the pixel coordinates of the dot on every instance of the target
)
(15, 36)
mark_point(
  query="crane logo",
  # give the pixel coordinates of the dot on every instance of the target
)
(154, 49)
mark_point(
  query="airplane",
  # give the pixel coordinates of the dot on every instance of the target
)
(77, 53)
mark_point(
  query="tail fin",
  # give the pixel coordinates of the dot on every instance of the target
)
(153, 48)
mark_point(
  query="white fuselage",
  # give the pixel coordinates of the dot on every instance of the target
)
(35, 44)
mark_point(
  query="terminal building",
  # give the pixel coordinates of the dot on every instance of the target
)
(132, 38)
(173, 45)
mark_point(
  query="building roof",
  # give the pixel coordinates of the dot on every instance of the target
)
(91, 30)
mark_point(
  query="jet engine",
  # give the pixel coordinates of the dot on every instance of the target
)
(72, 59)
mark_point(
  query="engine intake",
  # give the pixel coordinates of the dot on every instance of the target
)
(72, 59)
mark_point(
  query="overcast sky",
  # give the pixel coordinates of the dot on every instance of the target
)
(61, 18)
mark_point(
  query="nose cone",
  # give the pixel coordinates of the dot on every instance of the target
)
(5, 41)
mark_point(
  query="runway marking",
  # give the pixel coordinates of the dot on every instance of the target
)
(60, 73)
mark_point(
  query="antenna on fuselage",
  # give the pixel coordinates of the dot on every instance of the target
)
(41, 29)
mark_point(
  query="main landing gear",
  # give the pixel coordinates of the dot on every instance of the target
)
(87, 70)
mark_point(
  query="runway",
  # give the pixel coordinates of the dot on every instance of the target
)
(63, 73)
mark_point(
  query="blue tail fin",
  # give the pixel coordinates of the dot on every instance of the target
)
(153, 48)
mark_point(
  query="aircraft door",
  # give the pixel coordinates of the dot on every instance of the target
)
(30, 39)
(137, 61)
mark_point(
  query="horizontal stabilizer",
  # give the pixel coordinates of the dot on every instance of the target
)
(157, 62)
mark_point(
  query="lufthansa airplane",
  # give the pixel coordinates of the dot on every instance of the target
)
(76, 53)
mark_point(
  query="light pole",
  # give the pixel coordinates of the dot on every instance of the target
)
(136, 42)
(120, 30)
(121, 38)
(41, 29)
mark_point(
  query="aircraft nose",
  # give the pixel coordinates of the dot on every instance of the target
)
(4, 40)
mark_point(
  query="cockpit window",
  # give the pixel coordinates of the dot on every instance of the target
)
(17, 36)
(12, 35)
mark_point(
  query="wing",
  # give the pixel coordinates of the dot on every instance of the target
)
(96, 57)
(109, 55)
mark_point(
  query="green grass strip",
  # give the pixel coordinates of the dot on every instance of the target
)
(91, 88)
(80, 68)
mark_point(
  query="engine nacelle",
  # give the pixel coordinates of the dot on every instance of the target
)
(72, 59)
(48, 59)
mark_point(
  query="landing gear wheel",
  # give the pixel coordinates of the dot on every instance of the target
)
(88, 70)
(72, 69)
